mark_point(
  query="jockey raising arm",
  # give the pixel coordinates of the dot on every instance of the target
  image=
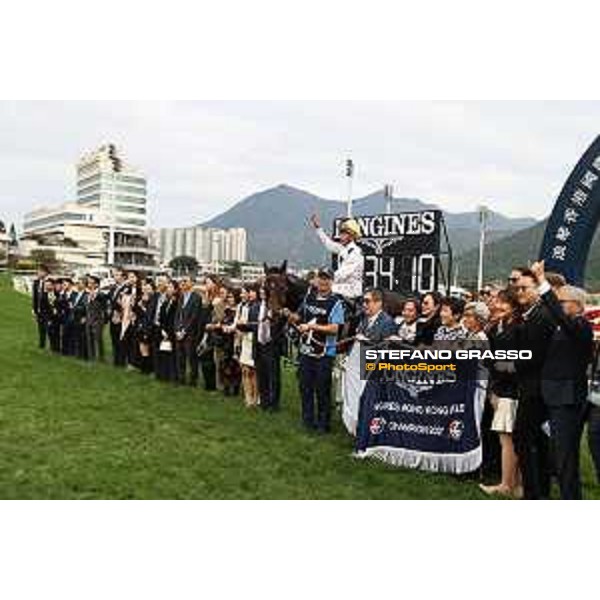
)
(348, 278)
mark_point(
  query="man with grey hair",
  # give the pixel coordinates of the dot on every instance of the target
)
(564, 377)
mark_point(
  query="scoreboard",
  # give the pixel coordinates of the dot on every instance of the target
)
(401, 250)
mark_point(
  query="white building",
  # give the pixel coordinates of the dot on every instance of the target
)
(106, 182)
(106, 225)
(205, 244)
(79, 237)
(75, 233)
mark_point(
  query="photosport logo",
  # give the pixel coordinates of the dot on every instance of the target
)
(456, 429)
(377, 425)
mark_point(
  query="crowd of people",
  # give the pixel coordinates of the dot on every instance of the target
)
(177, 329)
(536, 409)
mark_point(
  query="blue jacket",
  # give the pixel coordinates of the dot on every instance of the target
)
(383, 327)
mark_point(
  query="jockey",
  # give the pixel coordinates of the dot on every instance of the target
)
(348, 278)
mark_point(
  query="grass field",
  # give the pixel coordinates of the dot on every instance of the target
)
(75, 430)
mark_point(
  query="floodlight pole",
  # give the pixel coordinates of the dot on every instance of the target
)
(483, 218)
(349, 177)
(388, 192)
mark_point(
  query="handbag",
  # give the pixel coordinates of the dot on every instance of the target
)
(166, 346)
(205, 346)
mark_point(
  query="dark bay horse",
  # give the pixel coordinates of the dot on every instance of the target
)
(284, 291)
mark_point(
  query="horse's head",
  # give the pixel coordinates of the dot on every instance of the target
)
(276, 286)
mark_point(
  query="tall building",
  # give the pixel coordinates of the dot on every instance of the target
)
(106, 182)
(106, 225)
(205, 244)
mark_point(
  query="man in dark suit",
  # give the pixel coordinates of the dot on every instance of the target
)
(530, 439)
(49, 312)
(79, 318)
(115, 316)
(564, 378)
(158, 300)
(36, 303)
(95, 319)
(187, 328)
(66, 317)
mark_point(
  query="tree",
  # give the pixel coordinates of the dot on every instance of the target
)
(233, 269)
(184, 265)
(45, 257)
(14, 238)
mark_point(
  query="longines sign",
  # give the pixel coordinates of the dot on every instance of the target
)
(401, 250)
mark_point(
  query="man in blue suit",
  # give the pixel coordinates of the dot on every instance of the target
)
(376, 325)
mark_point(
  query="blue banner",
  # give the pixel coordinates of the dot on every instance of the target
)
(433, 425)
(574, 220)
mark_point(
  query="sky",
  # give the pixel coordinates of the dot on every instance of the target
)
(202, 157)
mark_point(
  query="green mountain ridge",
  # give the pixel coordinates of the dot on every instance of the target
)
(519, 249)
(276, 220)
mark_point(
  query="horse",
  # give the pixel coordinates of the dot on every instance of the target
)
(285, 292)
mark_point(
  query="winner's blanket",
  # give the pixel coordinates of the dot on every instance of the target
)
(424, 422)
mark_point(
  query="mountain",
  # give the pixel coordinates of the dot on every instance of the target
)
(519, 249)
(276, 220)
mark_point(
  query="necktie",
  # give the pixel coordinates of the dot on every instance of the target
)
(264, 333)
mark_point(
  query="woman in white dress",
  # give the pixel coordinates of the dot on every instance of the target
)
(249, 384)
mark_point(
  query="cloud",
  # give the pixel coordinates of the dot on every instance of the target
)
(201, 157)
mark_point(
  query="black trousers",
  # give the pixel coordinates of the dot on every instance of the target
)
(209, 372)
(594, 437)
(68, 339)
(187, 360)
(315, 384)
(491, 465)
(268, 375)
(80, 346)
(566, 426)
(118, 348)
(42, 332)
(164, 366)
(532, 445)
(53, 329)
(95, 341)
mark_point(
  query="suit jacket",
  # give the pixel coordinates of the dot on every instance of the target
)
(65, 302)
(168, 311)
(382, 328)
(49, 309)
(115, 310)
(533, 333)
(570, 352)
(187, 316)
(426, 329)
(96, 309)
(36, 295)
(79, 307)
